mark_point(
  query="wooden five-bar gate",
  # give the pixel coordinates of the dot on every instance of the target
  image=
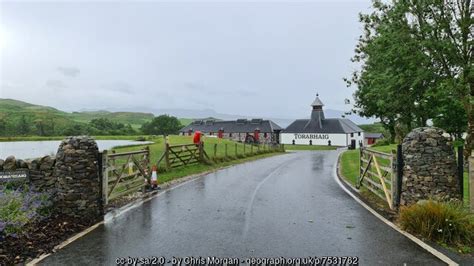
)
(180, 155)
(380, 173)
(124, 173)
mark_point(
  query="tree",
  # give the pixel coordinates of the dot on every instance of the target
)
(395, 74)
(23, 126)
(434, 44)
(444, 30)
(162, 125)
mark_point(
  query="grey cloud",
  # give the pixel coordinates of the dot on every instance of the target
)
(69, 71)
(55, 84)
(119, 86)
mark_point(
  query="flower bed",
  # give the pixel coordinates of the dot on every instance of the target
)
(28, 225)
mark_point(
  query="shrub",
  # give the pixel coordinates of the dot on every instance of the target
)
(382, 142)
(449, 223)
(19, 207)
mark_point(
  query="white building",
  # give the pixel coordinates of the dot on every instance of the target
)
(319, 130)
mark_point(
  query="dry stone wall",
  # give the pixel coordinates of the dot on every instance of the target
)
(78, 182)
(429, 166)
(71, 178)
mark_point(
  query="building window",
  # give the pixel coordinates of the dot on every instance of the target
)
(210, 133)
(230, 135)
(352, 135)
(265, 135)
(358, 134)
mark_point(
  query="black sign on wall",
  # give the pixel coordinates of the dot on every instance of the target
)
(13, 175)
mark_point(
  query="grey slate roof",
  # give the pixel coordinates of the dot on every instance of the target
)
(330, 125)
(317, 102)
(373, 135)
(234, 126)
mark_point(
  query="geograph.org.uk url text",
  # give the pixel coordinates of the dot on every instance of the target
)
(314, 260)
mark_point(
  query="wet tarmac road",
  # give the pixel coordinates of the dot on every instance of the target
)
(287, 205)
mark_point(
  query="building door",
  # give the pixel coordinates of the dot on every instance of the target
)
(353, 144)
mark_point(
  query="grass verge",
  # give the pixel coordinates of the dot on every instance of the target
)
(202, 168)
(309, 147)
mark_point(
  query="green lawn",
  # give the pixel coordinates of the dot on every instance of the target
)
(309, 147)
(202, 168)
(158, 147)
(350, 165)
(385, 148)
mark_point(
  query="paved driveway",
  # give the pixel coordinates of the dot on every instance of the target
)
(287, 205)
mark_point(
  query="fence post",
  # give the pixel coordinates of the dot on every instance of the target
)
(105, 177)
(361, 154)
(471, 182)
(215, 150)
(167, 156)
(461, 171)
(201, 151)
(225, 145)
(393, 180)
(235, 149)
(399, 174)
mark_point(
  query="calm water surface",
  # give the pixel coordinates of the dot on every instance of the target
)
(35, 149)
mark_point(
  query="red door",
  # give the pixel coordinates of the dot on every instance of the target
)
(220, 134)
(256, 134)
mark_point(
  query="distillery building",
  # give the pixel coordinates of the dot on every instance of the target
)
(319, 130)
(243, 130)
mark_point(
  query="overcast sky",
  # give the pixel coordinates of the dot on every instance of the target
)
(248, 58)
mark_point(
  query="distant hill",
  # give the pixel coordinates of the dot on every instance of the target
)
(133, 118)
(14, 111)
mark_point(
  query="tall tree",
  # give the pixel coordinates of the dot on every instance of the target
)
(411, 53)
(162, 125)
(444, 28)
(23, 126)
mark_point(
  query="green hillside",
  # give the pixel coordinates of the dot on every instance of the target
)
(133, 118)
(20, 118)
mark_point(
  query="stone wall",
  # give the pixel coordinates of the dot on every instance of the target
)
(429, 166)
(71, 178)
(41, 170)
(78, 182)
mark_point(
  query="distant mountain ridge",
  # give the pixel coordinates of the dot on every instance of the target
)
(11, 109)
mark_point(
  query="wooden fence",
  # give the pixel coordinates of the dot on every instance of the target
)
(124, 173)
(186, 154)
(380, 173)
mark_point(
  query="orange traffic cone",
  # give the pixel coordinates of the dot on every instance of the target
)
(154, 177)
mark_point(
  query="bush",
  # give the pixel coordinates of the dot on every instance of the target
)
(19, 208)
(449, 223)
(382, 142)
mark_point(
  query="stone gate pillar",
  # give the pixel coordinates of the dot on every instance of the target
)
(430, 166)
(78, 183)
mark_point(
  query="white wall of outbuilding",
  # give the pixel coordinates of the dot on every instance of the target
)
(337, 139)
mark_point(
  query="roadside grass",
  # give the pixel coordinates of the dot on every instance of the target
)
(234, 149)
(202, 168)
(350, 165)
(385, 148)
(309, 147)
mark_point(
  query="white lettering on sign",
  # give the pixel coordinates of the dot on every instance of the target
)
(311, 136)
(12, 175)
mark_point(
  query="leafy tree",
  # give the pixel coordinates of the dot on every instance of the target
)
(162, 125)
(23, 127)
(411, 53)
